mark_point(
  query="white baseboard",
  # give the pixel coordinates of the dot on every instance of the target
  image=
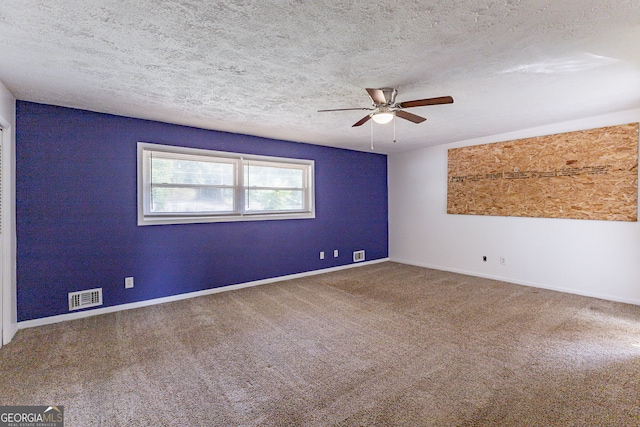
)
(522, 282)
(95, 312)
(8, 331)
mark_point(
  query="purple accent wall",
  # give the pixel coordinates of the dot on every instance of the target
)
(77, 219)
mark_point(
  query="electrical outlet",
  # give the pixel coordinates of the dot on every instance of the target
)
(128, 282)
(335, 253)
(321, 254)
(503, 261)
(484, 258)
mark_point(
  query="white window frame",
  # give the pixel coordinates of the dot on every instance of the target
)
(146, 217)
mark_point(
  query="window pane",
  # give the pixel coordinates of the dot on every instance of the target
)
(274, 200)
(179, 171)
(177, 200)
(266, 176)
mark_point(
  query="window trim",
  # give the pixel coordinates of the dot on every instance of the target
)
(240, 159)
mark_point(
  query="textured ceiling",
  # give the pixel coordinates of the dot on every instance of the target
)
(265, 67)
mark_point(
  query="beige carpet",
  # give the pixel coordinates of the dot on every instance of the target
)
(384, 344)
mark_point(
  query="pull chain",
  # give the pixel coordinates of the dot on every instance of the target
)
(371, 135)
(394, 130)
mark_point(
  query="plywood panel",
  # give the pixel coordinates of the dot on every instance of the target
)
(589, 174)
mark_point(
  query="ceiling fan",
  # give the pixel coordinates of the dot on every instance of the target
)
(384, 107)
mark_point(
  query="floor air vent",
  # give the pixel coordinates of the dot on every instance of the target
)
(358, 256)
(84, 299)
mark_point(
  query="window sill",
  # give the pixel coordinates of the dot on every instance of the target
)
(166, 220)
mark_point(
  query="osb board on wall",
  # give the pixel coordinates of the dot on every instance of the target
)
(589, 174)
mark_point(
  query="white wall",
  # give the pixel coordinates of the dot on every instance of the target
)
(594, 258)
(8, 240)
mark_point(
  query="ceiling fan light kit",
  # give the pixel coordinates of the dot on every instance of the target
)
(382, 117)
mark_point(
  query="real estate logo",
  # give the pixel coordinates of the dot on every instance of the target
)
(31, 416)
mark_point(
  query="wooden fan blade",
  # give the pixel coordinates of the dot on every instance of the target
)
(345, 109)
(409, 116)
(428, 101)
(362, 121)
(377, 95)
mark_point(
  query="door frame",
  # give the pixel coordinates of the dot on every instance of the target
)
(8, 315)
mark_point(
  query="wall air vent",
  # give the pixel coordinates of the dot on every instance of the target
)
(358, 256)
(84, 299)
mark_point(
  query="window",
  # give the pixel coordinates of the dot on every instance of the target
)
(184, 185)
